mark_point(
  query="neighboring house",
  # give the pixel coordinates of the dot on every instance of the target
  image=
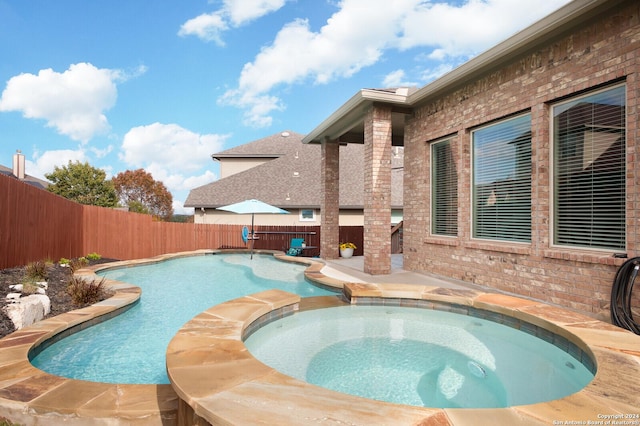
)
(18, 172)
(521, 168)
(281, 171)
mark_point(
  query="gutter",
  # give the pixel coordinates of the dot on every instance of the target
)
(352, 112)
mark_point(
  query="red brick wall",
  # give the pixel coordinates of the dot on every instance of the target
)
(605, 52)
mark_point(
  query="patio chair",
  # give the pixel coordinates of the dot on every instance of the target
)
(295, 248)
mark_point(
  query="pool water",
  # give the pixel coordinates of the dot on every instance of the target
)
(131, 347)
(419, 357)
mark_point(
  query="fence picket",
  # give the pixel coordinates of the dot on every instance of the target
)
(38, 225)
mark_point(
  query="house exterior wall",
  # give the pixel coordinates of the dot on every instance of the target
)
(593, 56)
(231, 166)
(213, 216)
(353, 217)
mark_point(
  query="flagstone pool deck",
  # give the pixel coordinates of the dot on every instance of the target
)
(214, 380)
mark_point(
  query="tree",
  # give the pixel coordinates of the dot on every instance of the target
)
(141, 193)
(83, 184)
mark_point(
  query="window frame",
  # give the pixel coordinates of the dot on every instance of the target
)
(436, 222)
(302, 217)
(474, 192)
(554, 153)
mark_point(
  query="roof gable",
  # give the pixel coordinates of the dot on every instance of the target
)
(292, 180)
(273, 146)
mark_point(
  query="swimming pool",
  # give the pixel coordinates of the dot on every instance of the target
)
(130, 348)
(417, 356)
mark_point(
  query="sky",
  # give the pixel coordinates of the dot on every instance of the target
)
(163, 84)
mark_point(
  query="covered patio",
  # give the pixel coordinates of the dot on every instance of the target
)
(375, 118)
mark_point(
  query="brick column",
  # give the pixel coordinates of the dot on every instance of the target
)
(377, 190)
(330, 204)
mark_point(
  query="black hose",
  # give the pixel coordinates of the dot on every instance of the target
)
(621, 292)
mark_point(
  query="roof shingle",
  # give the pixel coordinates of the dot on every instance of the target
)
(292, 178)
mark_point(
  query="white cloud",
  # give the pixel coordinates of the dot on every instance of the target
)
(46, 162)
(73, 102)
(257, 107)
(470, 28)
(243, 11)
(433, 73)
(397, 78)
(207, 27)
(100, 153)
(341, 48)
(359, 34)
(179, 185)
(195, 181)
(175, 156)
(174, 147)
(234, 13)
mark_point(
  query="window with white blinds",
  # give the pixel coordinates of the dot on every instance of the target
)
(444, 190)
(589, 170)
(502, 180)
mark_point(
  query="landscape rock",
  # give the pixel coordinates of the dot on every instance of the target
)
(29, 310)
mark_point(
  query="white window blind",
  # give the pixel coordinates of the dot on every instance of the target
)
(502, 180)
(444, 190)
(589, 171)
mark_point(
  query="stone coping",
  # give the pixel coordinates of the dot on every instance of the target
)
(29, 396)
(220, 382)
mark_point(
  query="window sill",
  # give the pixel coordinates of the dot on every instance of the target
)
(443, 241)
(515, 248)
(602, 258)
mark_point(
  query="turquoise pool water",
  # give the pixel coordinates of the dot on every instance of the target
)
(130, 348)
(419, 357)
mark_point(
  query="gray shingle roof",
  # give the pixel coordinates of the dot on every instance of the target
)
(34, 181)
(292, 178)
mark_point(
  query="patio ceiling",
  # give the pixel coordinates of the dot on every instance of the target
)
(346, 125)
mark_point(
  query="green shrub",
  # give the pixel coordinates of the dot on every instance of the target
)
(64, 261)
(78, 263)
(37, 271)
(29, 286)
(86, 292)
(94, 256)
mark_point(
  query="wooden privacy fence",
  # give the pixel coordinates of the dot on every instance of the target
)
(123, 235)
(38, 225)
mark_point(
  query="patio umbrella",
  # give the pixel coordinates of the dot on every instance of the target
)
(253, 207)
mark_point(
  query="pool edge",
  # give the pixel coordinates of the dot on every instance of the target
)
(251, 391)
(30, 396)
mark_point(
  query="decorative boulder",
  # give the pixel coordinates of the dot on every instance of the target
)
(28, 310)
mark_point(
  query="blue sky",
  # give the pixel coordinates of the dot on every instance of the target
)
(163, 84)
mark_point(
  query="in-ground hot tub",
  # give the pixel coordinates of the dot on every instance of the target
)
(220, 382)
(423, 357)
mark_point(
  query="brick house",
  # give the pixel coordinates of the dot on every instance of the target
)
(520, 171)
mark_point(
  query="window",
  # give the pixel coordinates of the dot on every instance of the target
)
(444, 190)
(307, 215)
(502, 180)
(589, 170)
